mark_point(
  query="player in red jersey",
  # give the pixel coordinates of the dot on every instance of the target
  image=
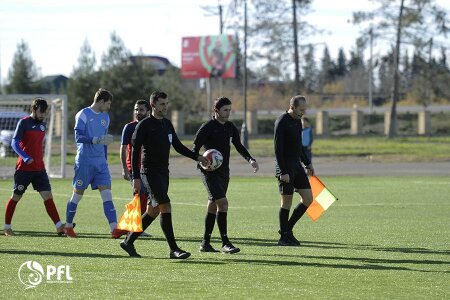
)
(28, 142)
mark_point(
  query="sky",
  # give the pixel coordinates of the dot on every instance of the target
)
(56, 29)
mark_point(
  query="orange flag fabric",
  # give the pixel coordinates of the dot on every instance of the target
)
(322, 198)
(131, 219)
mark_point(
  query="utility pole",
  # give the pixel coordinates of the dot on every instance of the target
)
(294, 25)
(429, 71)
(244, 132)
(209, 81)
(221, 32)
(371, 72)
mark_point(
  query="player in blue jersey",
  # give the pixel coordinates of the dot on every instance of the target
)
(28, 142)
(141, 110)
(91, 167)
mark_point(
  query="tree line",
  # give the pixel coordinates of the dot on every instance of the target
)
(418, 73)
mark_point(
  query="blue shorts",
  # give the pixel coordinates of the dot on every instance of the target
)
(39, 180)
(95, 175)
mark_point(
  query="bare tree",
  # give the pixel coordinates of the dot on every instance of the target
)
(408, 21)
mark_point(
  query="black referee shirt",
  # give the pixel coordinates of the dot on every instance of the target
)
(214, 135)
(288, 142)
(155, 136)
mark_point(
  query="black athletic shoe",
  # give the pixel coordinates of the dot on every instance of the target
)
(230, 249)
(179, 254)
(288, 239)
(206, 247)
(285, 241)
(291, 236)
(129, 248)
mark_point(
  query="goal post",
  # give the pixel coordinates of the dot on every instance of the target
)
(13, 107)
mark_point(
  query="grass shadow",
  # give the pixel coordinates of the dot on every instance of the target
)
(64, 254)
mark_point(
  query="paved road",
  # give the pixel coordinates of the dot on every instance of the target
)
(184, 167)
(326, 166)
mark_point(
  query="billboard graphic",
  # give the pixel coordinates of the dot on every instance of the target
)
(208, 56)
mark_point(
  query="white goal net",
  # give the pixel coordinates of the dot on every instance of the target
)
(15, 107)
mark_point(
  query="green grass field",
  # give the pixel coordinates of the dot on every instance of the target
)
(384, 238)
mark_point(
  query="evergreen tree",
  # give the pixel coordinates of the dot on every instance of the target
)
(83, 82)
(326, 72)
(128, 81)
(23, 73)
(341, 67)
(310, 70)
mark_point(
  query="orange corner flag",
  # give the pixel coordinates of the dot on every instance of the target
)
(322, 198)
(131, 218)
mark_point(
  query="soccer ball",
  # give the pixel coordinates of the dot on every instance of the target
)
(215, 157)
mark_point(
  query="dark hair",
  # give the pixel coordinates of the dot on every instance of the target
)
(39, 103)
(103, 94)
(306, 119)
(296, 100)
(156, 95)
(143, 102)
(221, 101)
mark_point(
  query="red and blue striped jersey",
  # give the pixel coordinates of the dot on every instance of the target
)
(31, 134)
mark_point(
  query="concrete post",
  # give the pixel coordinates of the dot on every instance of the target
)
(322, 123)
(387, 122)
(178, 120)
(252, 122)
(357, 122)
(424, 123)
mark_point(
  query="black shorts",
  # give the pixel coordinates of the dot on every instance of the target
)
(216, 184)
(297, 180)
(157, 186)
(39, 180)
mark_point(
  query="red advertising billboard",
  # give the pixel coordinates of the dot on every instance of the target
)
(208, 56)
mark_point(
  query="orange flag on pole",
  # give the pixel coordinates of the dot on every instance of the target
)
(322, 198)
(131, 218)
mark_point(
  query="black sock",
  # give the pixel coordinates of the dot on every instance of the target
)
(283, 216)
(146, 221)
(298, 212)
(222, 224)
(167, 228)
(209, 226)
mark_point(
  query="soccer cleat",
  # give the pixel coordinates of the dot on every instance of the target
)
(60, 230)
(8, 232)
(285, 241)
(117, 233)
(130, 249)
(70, 232)
(179, 254)
(230, 249)
(290, 236)
(206, 247)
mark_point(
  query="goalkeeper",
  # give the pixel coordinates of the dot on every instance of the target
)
(91, 167)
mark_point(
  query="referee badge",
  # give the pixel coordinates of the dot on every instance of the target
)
(170, 138)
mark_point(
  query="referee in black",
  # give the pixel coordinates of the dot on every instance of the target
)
(289, 170)
(219, 133)
(155, 135)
